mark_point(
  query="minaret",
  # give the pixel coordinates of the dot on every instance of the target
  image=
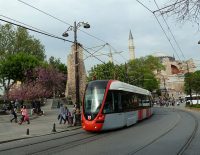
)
(131, 46)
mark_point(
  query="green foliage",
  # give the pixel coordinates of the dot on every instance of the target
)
(139, 72)
(192, 81)
(102, 72)
(15, 66)
(56, 63)
(13, 41)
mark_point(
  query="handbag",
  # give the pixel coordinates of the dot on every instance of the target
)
(58, 116)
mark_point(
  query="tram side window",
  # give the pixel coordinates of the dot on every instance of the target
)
(127, 101)
(145, 101)
(109, 105)
(124, 101)
(117, 101)
(135, 101)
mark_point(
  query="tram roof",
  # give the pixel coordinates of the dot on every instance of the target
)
(118, 85)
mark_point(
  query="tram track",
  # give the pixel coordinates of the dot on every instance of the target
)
(190, 139)
(68, 145)
(60, 146)
(154, 140)
(185, 145)
(43, 141)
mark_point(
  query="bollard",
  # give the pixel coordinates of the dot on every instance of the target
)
(27, 132)
(54, 128)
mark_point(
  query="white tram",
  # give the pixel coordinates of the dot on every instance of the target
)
(111, 104)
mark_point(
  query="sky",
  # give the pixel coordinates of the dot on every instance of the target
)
(111, 22)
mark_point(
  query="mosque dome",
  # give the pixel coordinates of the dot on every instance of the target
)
(160, 54)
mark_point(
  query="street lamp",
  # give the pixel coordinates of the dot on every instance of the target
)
(65, 34)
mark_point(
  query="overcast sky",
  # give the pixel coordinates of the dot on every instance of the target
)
(111, 21)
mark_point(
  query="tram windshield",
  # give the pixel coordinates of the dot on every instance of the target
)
(94, 96)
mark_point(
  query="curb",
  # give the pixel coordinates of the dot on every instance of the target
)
(28, 136)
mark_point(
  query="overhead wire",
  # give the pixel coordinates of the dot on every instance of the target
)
(48, 14)
(162, 29)
(170, 31)
(95, 52)
(44, 12)
(43, 33)
(24, 24)
(62, 21)
(92, 54)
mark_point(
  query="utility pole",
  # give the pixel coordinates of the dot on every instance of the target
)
(190, 90)
(76, 65)
(76, 57)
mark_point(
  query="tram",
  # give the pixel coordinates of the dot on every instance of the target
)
(111, 104)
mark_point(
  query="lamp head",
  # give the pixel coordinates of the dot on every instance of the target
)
(199, 42)
(86, 25)
(65, 34)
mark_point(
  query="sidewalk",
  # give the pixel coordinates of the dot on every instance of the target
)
(39, 125)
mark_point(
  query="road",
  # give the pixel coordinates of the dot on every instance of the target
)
(168, 131)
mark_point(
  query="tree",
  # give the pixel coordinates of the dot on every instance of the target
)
(195, 84)
(15, 67)
(7, 39)
(14, 40)
(56, 63)
(141, 72)
(42, 82)
(102, 72)
(183, 10)
(187, 83)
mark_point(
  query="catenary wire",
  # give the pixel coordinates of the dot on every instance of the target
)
(50, 35)
(44, 12)
(161, 28)
(95, 51)
(48, 14)
(170, 31)
(92, 54)
(24, 24)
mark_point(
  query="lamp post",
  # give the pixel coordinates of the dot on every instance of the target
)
(76, 56)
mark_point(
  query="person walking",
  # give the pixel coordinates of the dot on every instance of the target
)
(25, 116)
(66, 115)
(62, 114)
(13, 112)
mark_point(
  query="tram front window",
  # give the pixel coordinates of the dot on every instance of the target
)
(93, 100)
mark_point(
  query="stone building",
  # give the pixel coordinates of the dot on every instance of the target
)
(71, 86)
(172, 78)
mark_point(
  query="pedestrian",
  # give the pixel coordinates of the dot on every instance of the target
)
(13, 112)
(62, 114)
(74, 115)
(33, 110)
(66, 115)
(25, 116)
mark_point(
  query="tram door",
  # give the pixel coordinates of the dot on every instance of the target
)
(114, 116)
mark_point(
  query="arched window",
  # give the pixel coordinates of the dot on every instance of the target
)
(174, 69)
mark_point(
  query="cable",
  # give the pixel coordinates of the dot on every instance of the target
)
(168, 6)
(24, 24)
(95, 51)
(44, 12)
(50, 35)
(62, 21)
(92, 54)
(170, 31)
(118, 52)
(161, 28)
